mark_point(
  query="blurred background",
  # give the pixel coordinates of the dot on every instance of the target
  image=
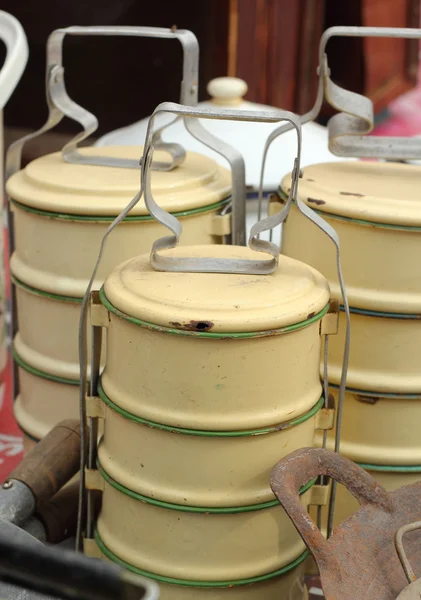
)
(271, 44)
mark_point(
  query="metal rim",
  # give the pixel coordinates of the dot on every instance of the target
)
(199, 584)
(328, 215)
(109, 219)
(33, 371)
(223, 510)
(205, 334)
(208, 433)
(383, 315)
(37, 292)
(380, 395)
(391, 468)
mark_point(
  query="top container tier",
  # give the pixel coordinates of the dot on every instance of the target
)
(51, 184)
(375, 209)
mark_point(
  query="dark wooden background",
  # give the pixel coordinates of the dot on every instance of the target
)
(272, 44)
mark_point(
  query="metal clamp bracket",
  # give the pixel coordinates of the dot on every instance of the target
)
(329, 324)
(325, 418)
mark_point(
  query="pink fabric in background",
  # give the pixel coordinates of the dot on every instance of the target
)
(404, 117)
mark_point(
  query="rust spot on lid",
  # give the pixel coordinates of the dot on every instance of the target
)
(193, 325)
(309, 316)
(308, 179)
(352, 194)
(315, 201)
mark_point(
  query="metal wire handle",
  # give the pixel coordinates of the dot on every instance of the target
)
(347, 131)
(88, 450)
(211, 264)
(60, 104)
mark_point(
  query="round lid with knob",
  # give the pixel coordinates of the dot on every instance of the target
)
(227, 91)
(247, 137)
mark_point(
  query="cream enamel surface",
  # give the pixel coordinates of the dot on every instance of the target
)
(49, 183)
(186, 545)
(196, 470)
(230, 302)
(47, 338)
(385, 354)
(42, 404)
(42, 260)
(384, 431)
(378, 272)
(212, 384)
(289, 586)
(380, 192)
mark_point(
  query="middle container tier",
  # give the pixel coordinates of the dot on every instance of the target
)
(374, 209)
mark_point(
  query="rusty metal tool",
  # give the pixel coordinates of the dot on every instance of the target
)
(360, 560)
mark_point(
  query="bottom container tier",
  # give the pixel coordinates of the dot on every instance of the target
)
(197, 543)
(285, 584)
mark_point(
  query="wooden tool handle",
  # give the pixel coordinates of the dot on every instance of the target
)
(52, 462)
(59, 515)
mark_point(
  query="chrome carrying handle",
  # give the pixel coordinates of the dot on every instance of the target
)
(60, 105)
(348, 130)
(217, 265)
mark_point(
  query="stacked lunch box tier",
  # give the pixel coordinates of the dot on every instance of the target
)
(61, 213)
(375, 209)
(209, 379)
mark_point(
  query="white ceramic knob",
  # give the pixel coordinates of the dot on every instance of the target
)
(227, 91)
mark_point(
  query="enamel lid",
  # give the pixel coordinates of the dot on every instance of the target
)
(49, 183)
(248, 138)
(378, 192)
(218, 302)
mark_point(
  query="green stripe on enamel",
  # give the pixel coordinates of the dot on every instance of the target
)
(391, 468)
(198, 584)
(223, 510)
(105, 218)
(42, 293)
(328, 215)
(33, 371)
(379, 395)
(206, 334)
(383, 315)
(204, 432)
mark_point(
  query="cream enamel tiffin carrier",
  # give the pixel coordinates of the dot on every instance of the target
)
(211, 374)
(62, 204)
(375, 209)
